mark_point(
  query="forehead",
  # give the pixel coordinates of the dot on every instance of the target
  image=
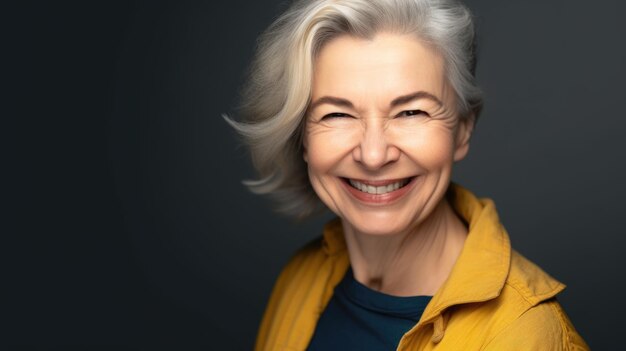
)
(386, 65)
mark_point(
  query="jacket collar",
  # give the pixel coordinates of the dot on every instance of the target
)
(483, 265)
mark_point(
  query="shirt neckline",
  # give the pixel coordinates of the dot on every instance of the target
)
(402, 306)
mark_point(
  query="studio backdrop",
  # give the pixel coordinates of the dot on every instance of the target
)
(129, 224)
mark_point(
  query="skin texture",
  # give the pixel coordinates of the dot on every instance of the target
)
(405, 242)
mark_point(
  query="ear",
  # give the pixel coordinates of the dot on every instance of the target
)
(463, 135)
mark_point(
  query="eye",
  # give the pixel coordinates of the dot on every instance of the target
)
(336, 115)
(411, 113)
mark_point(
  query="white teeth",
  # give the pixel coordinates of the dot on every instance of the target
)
(378, 189)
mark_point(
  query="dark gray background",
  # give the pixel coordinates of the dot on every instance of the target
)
(126, 222)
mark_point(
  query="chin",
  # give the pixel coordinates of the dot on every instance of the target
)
(378, 226)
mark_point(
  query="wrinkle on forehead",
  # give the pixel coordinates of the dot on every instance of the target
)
(372, 72)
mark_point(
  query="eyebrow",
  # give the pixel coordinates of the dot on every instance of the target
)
(400, 100)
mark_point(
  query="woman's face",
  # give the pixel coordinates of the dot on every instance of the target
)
(382, 132)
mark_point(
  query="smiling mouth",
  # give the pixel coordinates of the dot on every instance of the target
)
(378, 188)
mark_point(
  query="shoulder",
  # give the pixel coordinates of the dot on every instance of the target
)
(542, 327)
(530, 281)
(289, 285)
(536, 320)
(303, 287)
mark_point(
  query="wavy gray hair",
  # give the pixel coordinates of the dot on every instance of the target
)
(277, 93)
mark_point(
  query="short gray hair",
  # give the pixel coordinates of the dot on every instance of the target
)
(277, 93)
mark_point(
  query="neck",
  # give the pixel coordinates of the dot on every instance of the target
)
(413, 263)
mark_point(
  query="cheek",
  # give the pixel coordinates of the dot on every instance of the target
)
(430, 147)
(326, 148)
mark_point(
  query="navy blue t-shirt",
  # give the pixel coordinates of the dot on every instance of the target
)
(359, 318)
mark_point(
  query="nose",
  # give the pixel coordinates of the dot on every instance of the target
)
(375, 149)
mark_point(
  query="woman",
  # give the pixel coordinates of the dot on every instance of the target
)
(365, 105)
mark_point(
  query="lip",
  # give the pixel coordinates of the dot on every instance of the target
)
(379, 199)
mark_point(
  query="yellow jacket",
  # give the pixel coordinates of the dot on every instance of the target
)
(494, 298)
